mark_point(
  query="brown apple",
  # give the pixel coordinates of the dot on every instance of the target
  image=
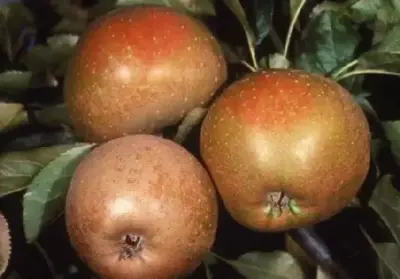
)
(285, 148)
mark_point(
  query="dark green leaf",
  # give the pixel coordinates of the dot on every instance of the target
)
(53, 56)
(392, 132)
(330, 43)
(321, 274)
(45, 196)
(388, 265)
(15, 19)
(238, 11)
(208, 273)
(386, 55)
(53, 116)
(198, 7)
(150, 2)
(208, 261)
(383, 14)
(263, 11)
(271, 265)
(294, 4)
(366, 105)
(385, 200)
(391, 42)
(11, 115)
(17, 169)
(15, 81)
(70, 26)
(388, 258)
(387, 61)
(13, 275)
(366, 10)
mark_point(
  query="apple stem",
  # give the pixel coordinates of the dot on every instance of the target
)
(291, 27)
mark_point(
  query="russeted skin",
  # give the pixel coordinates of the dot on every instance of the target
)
(140, 69)
(290, 132)
(5, 244)
(146, 186)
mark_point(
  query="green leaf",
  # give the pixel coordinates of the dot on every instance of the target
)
(331, 41)
(388, 258)
(12, 115)
(16, 81)
(15, 19)
(294, 5)
(271, 265)
(238, 11)
(209, 260)
(362, 11)
(53, 115)
(45, 196)
(198, 7)
(382, 13)
(18, 168)
(385, 200)
(70, 26)
(385, 61)
(389, 255)
(392, 132)
(321, 274)
(263, 12)
(386, 55)
(366, 105)
(53, 56)
(120, 3)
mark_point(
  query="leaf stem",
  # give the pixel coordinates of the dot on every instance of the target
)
(252, 54)
(247, 65)
(364, 72)
(291, 27)
(345, 68)
(47, 259)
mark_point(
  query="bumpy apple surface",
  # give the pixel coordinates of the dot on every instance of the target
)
(285, 148)
(140, 69)
(141, 206)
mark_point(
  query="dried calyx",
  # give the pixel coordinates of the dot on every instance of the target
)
(277, 202)
(131, 246)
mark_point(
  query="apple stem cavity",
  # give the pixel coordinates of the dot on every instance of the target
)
(132, 245)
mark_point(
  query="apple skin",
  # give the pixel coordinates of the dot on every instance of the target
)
(141, 206)
(5, 244)
(285, 148)
(140, 69)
